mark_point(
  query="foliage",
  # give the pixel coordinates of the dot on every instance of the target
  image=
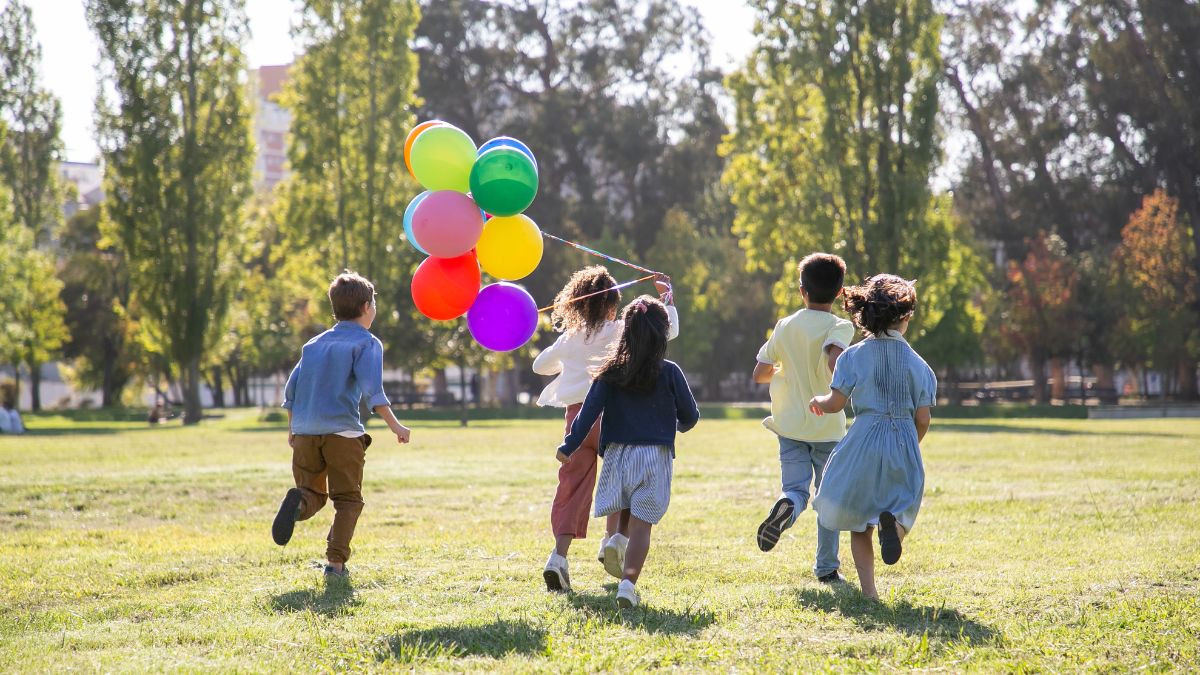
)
(1157, 260)
(175, 136)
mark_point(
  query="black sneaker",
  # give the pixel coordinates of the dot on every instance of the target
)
(889, 539)
(772, 527)
(834, 577)
(285, 520)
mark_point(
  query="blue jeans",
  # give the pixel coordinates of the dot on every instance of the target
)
(802, 463)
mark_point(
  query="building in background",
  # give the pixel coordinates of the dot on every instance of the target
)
(271, 123)
(88, 181)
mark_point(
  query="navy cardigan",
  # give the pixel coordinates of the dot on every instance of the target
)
(636, 418)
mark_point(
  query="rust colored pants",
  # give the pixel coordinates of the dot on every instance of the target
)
(572, 506)
(331, 467)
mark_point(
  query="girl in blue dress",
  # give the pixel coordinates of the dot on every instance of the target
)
(875, 478)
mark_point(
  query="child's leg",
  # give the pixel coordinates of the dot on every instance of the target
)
(309, 470)
(827, 540)
(572, 506)
(864, 561)
(639, 546)
(612, 524)
(345, 458)
(622, 521)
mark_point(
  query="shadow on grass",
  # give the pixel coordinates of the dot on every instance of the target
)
(334, 599)
(496, 639)
(603, 608)
(1007, 429)
(937, 622)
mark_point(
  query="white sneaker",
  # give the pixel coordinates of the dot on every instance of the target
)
(600, 553)
(556, 575)
(627, 595)
(614, 555)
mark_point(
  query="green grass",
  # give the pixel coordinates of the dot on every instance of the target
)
(1043, 545)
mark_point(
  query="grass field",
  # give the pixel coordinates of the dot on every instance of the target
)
(1043, 545)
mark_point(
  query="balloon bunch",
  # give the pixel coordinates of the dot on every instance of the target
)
(470, 217)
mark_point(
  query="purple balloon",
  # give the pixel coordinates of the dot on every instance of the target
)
(503, 317)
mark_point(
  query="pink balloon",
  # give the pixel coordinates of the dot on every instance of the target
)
(447, 224)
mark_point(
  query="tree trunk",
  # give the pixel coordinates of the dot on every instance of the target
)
(35, 387)
(1106, 384)
(462, 391)
(1058, 379)
(192, 410)
(218, 387)
(953, 391)
(1040, 391)
(106, 384)
(1187, 380)
(441, 388)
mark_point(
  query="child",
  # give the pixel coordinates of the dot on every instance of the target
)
(874, 477)
(336, 370)
(644, 399)
(589, 331)
(798, 362)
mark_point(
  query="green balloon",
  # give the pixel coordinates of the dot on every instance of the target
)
(442, 157)
(504, 181)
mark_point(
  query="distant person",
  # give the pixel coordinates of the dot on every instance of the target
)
(336, 370)
(798, 362)
(10, 419)
(645, 400)
(875, 477)
(586, 313)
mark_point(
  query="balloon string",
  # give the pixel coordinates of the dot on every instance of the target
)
(607, 290)
(598, 254)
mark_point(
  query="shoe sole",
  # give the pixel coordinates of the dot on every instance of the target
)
(554, 582)
(772, 527)
(625, 603)
(614, 562)
(285, 520)
(889, 539)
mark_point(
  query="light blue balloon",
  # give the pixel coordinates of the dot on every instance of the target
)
(511, 142)
(408, 216)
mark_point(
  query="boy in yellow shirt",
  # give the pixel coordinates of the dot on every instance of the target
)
(797, 361)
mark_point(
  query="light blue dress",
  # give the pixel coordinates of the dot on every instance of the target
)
(877, 466)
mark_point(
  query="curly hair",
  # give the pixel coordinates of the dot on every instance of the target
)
(881, 302)
(637, 359)
(589, 314)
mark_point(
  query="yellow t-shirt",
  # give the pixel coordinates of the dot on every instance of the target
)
(797, 350)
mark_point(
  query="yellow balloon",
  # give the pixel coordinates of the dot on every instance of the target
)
(510, 248)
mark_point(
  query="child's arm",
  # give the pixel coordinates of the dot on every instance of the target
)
(832, 352)
(833, 402)
(662, 284)
(763, 372)
(549, 361)
(402, 432)
(922, 418)
(593, 405)
(289, 395)
(686, 411)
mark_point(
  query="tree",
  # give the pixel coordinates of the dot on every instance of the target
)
(351, 97)
(176, 142)
(31, 146)
(1039, 316)
(96, 294)
(1157, 259)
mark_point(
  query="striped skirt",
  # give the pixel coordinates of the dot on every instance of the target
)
(635, 477)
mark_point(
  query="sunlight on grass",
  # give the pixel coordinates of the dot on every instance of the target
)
(1042, 544)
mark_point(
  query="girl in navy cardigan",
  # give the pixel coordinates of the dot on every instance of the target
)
(645, 399)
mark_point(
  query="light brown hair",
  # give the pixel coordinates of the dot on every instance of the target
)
(348, 293)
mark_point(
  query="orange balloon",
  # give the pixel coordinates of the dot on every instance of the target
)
(412, 137)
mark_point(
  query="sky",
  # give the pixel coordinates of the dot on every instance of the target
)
(70, 52)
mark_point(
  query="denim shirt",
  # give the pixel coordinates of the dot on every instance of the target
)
(336, 369)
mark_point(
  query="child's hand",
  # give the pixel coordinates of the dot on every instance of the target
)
(402, 432)
(662, 284)
(561, 457)
(814, 406)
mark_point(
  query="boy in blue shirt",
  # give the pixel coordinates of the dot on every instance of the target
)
(329, 443)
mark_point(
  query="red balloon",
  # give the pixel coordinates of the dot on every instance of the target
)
(445, 288)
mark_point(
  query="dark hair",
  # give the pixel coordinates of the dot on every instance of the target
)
(881, 302)
(637, 359)
(822, 274)
(348, 293)
(589, 314)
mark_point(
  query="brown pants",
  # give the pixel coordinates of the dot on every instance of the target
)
(331, 467)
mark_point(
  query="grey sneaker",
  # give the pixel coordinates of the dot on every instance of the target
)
(627, 595)
(834, 577)
(332, 572)
(556, 574)
(775, 524)
(614, 555)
